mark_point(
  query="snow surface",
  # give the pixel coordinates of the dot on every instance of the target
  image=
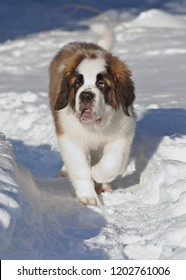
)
(145, 215)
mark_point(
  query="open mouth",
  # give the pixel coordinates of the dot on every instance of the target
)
(87, 115)
(86, 111)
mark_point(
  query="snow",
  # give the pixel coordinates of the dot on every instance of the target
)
(145, 215)
(156, 18)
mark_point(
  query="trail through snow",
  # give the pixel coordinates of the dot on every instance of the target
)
(145, 215)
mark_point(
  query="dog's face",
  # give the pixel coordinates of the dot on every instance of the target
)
(91, 90)
(92, 85)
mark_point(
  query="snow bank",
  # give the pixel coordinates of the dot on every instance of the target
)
(41, 219)
(160, 201)
(9, 193)
(149, 217)
(158, 19)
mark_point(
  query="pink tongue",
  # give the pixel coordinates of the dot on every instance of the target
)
(86, 114)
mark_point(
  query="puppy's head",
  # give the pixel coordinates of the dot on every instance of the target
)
(92, 84)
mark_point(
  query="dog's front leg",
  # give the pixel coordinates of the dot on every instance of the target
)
(114, 160)
(79, 170)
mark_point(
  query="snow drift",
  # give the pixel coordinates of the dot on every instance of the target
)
(10, 208)
(156, 19)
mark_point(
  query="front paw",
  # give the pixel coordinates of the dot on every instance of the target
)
(99, 188)
(94, 200)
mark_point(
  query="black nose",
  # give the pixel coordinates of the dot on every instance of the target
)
(86, 96)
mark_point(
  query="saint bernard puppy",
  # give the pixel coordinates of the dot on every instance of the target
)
(91, 97)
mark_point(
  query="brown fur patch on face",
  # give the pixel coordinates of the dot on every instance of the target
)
(122, 92)
(67, 93)
(111, 96)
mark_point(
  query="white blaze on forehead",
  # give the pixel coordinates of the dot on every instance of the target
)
(89, 68)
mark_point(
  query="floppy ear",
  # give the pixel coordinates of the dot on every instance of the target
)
(125, 91)
(63, 96)
(124, 86)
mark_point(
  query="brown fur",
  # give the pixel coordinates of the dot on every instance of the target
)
(122, 86)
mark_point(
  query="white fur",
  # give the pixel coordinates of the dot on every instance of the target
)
(110, 141)
(105, 33)
(89, 68)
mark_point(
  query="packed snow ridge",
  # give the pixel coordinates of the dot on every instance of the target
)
(157, 19)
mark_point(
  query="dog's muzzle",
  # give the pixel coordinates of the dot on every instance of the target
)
(86, 104)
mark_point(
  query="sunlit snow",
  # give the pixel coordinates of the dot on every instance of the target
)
(145, 215)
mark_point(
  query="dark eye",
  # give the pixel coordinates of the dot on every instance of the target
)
(101, 84)
(77, 84)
